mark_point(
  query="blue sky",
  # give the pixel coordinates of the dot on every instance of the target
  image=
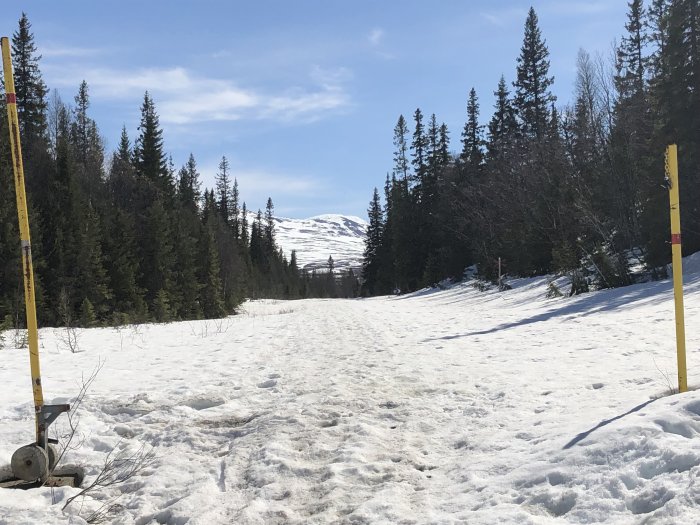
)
(301, 96)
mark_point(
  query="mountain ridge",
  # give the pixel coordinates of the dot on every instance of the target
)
(317, 238)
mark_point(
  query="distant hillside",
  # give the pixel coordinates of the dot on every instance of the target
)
(317, 238)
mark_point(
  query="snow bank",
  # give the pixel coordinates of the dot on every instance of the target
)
(453, 406)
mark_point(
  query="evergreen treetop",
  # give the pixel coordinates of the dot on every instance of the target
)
(532, 86)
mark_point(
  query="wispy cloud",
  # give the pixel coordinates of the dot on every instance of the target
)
(504, 17)
(257, 184)
(375, 36)
(375, 39)
(51, 50)
(575, 8)
(184, 98)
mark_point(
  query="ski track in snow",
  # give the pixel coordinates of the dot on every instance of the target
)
(438, 407)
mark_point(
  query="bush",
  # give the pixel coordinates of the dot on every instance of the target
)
(87, 314)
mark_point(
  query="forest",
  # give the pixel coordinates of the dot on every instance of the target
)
(575, 190)
(127, 237)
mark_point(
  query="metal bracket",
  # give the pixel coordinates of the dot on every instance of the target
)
(47, 415)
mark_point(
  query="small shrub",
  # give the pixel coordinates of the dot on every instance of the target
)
(87, 314)
(553, 291)
(480, 285)
(161, 307)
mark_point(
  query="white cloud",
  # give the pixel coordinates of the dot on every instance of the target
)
(49, 50)
(256, 185)
(308, 107)
(375, 36)
(182, 97)
(330, 77)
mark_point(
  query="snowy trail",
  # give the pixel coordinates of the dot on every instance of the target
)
(441, 407)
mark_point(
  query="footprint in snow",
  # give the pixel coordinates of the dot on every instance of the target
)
(267, 384)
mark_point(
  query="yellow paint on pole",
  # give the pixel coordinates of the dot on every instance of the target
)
(672, 178)
(23, 217)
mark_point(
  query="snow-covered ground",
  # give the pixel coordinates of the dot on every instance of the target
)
(447, 407)
(317, 238)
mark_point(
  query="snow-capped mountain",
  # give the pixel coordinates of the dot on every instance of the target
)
(317, 238)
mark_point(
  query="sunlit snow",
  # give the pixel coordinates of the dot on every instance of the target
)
(440, 407)
(317, 238)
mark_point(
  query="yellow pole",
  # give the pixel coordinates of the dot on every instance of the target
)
(25, 243)
(672, 176)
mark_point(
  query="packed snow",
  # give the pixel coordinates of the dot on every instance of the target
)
(317, 238)
(441, 407)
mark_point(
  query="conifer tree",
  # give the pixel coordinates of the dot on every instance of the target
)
(373, 242)
(245, 237)
(187, 242)
(401, 149)
(10, 263)
(121, 253)
(419, 146)
(532, 86)
(472, 155)
(295, 278)
(91, 280)
(88, 318)
(257, 243)
(189, 185)
(211, 294)
(443, 146)
(503, 126)
(433, 139)
(269, 231)
(235, 211)
(149, 157)
(631, 62)
(158, 259)
(81, 123)
(224, 191)
(29, 86)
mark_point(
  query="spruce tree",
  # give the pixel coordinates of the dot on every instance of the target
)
(235, 211)
(433, 139)
(158, 259)
(245, 237)
(211, 294)
(29, 86)
(81, 123)
(149, 157)
(443, 146)
(189, 185)
(269, 227)
(532, 86)
(503, 126)
(224, 192)
(472, 155)
(187, 242)
(121, 246)
(419, 146)
(631, 60)
(10, 263)
(373, 241)
(401, 149)
(91, 281)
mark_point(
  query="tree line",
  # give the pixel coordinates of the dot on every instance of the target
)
(575, 190)
(127, 237)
